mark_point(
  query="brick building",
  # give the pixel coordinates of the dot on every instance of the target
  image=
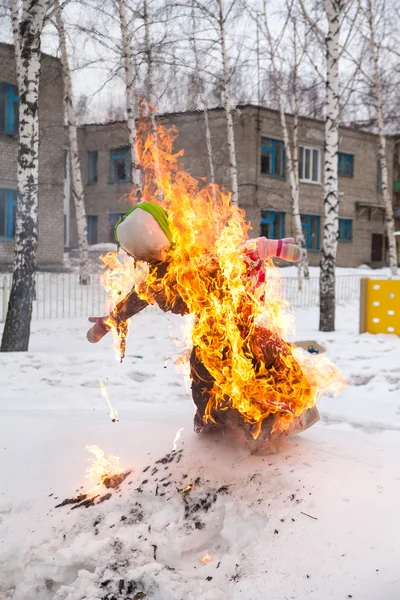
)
(51, 160)
(263, 184)
(396, 192)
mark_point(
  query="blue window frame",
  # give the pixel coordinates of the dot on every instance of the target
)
(92, 166)
(345, 230)
(8, 109)
(92, 223)
(311, 228)
(272, 224)
(272, 158)
(345, 164)
(113, 219)
(120, 164)
(8, 211)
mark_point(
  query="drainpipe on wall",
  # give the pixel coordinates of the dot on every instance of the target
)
(67, 197)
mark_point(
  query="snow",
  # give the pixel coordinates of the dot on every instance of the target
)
(259, 531)
(103, 247)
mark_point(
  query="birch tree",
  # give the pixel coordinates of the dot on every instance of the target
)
(130, 95)
(291, 152)
(216, 14)
(27, 24)
(76, 174)
(335, 12)
(389, 218)
(201, 103)
(151, 99)
(227, 103)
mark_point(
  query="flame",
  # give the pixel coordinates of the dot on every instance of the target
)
(113, 415)
(206, 559)
(101, 467)
(120, 275)
(239, 328)
(178, 437)
(187, 489)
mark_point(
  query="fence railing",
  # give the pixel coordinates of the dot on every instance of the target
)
(60, 296)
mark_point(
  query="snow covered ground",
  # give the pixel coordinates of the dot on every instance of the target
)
(313, 517)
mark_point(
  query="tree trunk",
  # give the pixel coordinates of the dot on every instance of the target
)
(151, 95)
(292, 160)
(331, 193)
(76, 174)
(131, 101)
(227, 106)
(27, 42)
(389, 219)
(297, 228)
(201, 105)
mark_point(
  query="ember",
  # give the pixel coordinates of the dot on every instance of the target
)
(113, 481)
(187, 489)
(206, 559)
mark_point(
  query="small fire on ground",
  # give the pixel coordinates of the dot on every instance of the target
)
(104, 472)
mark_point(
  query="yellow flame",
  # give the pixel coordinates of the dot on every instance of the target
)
(206, 559)
(104, 393)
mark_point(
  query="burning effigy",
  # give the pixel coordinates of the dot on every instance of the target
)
(186, 248)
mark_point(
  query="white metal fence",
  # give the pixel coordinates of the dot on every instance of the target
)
(59, 295)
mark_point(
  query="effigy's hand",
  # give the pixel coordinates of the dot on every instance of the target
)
(284, 248)
(98, 330)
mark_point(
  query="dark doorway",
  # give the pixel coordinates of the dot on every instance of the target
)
(377, 247)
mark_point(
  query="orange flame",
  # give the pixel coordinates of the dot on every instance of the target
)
(238, 331)
(206, 559)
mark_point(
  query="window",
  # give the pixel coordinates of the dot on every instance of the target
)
(8, 211)
(345, 230)
(272, 158)
(92, 222)
(379, 176)
(345, 164)
(8, 109)
(120, 164)
(310, 226)
(272, 224)
(309, 164)
(113, 219)
(92, 166)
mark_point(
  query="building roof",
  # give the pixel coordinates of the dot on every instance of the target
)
(239, 107)
(11, 47)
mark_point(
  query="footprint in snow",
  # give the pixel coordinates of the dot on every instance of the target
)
(358, 380)
(140, 377)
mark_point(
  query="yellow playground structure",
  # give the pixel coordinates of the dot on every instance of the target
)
(380, 306)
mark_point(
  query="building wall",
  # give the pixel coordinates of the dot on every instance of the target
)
(256, 191)
(51, 161)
